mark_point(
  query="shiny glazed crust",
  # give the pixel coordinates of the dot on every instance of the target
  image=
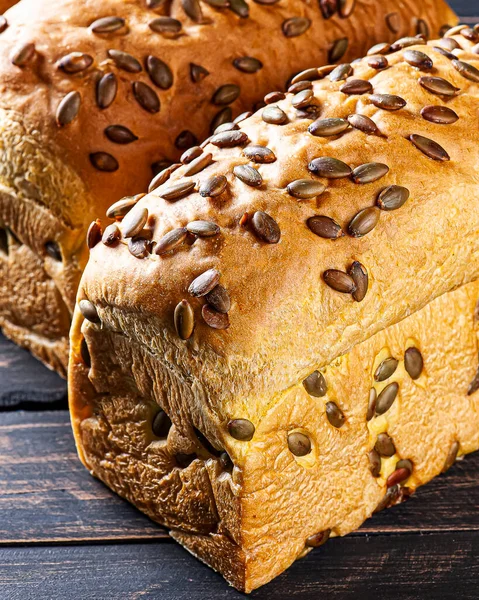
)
(250, 521)
(49, 175)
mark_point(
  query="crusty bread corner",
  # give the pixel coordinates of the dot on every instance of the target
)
(48, 168)
(6, 4)
(252, 523)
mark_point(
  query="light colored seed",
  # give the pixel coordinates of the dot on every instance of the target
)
(325, 227)
(259, 154)
(441, 115)
(305, 189)
(405, 42)
(162, 176)
(386, 369)
(229, 139)
(213, 186)
(159, 72)
(171, 240)
(190, 154)
(371, 404)
(111, 235)
(214, 318)
(204, 283)
(134, 221)
(392, 197)
(332, 168)
(299, 444)
(119, 209)
(318, 539)
(265, 227)
(339, 281)
(125, 61)
(364, 221)
(315, 384)
(274, 115)
(303, 98)
(413, 362)
(451, 457)
(89, 311)
(328, 127)
(198, 164)
(184, 320)
(203, 228)
(335, 415)
(22, 54)
(107, 25)
(219, 299)
(306, 75)
(68, 109)
(243, 116)
(104, 162)
(139, 247)
(386, 398)
(369, 172)
(106, 90)
(364, 124)
(361, 281)
(429, 147)
(248, 175)
(382, 48)
(300, 86)
(178, 190)
(241, 429)
(273, 97)
(378, 62)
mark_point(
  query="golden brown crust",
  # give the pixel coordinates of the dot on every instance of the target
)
(33, 87)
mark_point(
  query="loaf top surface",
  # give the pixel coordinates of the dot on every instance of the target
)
(56, 50)
(285, 320)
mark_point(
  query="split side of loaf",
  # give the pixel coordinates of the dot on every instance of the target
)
(86, 86)
(254, 300)
(251, 521)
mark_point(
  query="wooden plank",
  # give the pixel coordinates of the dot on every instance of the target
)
(47, 496)
(399, 567)
(25, 381)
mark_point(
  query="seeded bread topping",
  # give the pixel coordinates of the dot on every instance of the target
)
(86, 87)
(300, 349)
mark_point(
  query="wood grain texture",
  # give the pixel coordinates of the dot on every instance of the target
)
(47, 496)
(396, 567)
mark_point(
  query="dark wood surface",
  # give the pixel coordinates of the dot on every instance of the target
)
(64, 535)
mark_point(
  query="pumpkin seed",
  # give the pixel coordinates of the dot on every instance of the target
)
(418, 59)
(107, 25)
(300, 86)
(328, 8)
(111, 235)
(219, 299)
(213, 186)
(139, 247)
(125, 61)
(121, 207)
(178, 190)
(364, 222)
(341, 72)
(315, 384)
(229, 139)
(413, 362)
(274, 97)
(331, 168)
(384, 445)
(339, 281)
(328, 127)
(226, 127)
(68, 109)
(241, 429)
(393, 22)
(439, 86)
(449, 43)
(214, 318)
(190, 155)
(192, 10)
(382, 48)
(474, 385)
(274, 115)
(247, 64)
(451, 457)
(325, 227)
(204, 283)
(386, 398)
(21, 55)
(306, 75)
(346, 8)
(166, 26)
(318, 539)
(356, 87)
(171, 240)
(295, 26)
(405, 42)
(146, 97)
(226, 94)
(198, 164)
(248, 175)
(374, 463)
(161, 424)
(89, 311)
(444, 52)
(75, 62)
(335, 415)
(203, 228)
(369, 172)
(387, 101)
(240, 8)
(93, 235)
(466, 70)
(162, 176)
(104, 162)
(265, 227)
(259, 154)
(386, 369)
(364, 124)
(429, 147)
(338, 50)
(184, 320)
(371, 404)
(302, 98)
(159, 72)
(222, 116)
(120, 134)
(185, 140)
(361, 281)
(442, 115)
(378, 62)
(134, 221)
(299, 444)
(197, 73)
(392, 197)
(305, 189)
(106, 90)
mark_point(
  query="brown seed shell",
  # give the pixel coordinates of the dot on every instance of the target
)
(106, 90)
(68, 109)
(139, 247)
(177, 190)
(198, 164)
(146, 97)
(104, 162)
(226, 94)
(439, 86)
(119, 134)
(295, 26)
(190, 154)
(338, 50)
(166, 26)
(325, 227)
(451, 457)
(214, 318)
(305, 189)
(185, 140)
(197, 73)
(89, 311)
(161, 424)
(240, 8)
(21, 55)
(171, 240)
(259, 154)
(219, 299)
(356, 87)
(247, 64)
(332, 168)
(384, 445)
(361, 281)
(335, 415)
(162, 176)
(222, 116)
(134, 221)
(364, 124)
(369, 172)
(75, 62)
(53, 250)
(429, 147)
(328, 127)
(381, 48)
(184, 320)
(413, 362)
(241, 429)
(387, 101)
(111, 235)
(371, 404)
(213, 186)
(229, 139)
(3, 23)
(386, 398)
(341, 72)
(273, 97)
(392, 197)
(303, 98)
(466, 70)
(248, 175)
(192, 10)
(204, 283)
(203, 228)
(441, 115)
(318, 539)
(123, 206)
(364, 221)
(94, 234)
(339, 281)
(418, 59)
(107, 25)
(387, 367)
(265, 227)
(299, 444)
(398, 476)
(378, 62)
(274, 115)
(125, 61)
(159, 72)
(374, 463)
(393, 22)
(315, 384)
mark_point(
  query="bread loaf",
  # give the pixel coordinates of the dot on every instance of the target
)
(276, 342)
(87, 86)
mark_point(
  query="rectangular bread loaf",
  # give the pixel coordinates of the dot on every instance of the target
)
(274, 344)
(84, 87)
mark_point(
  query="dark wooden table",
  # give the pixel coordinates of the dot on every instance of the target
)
(63, 535)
